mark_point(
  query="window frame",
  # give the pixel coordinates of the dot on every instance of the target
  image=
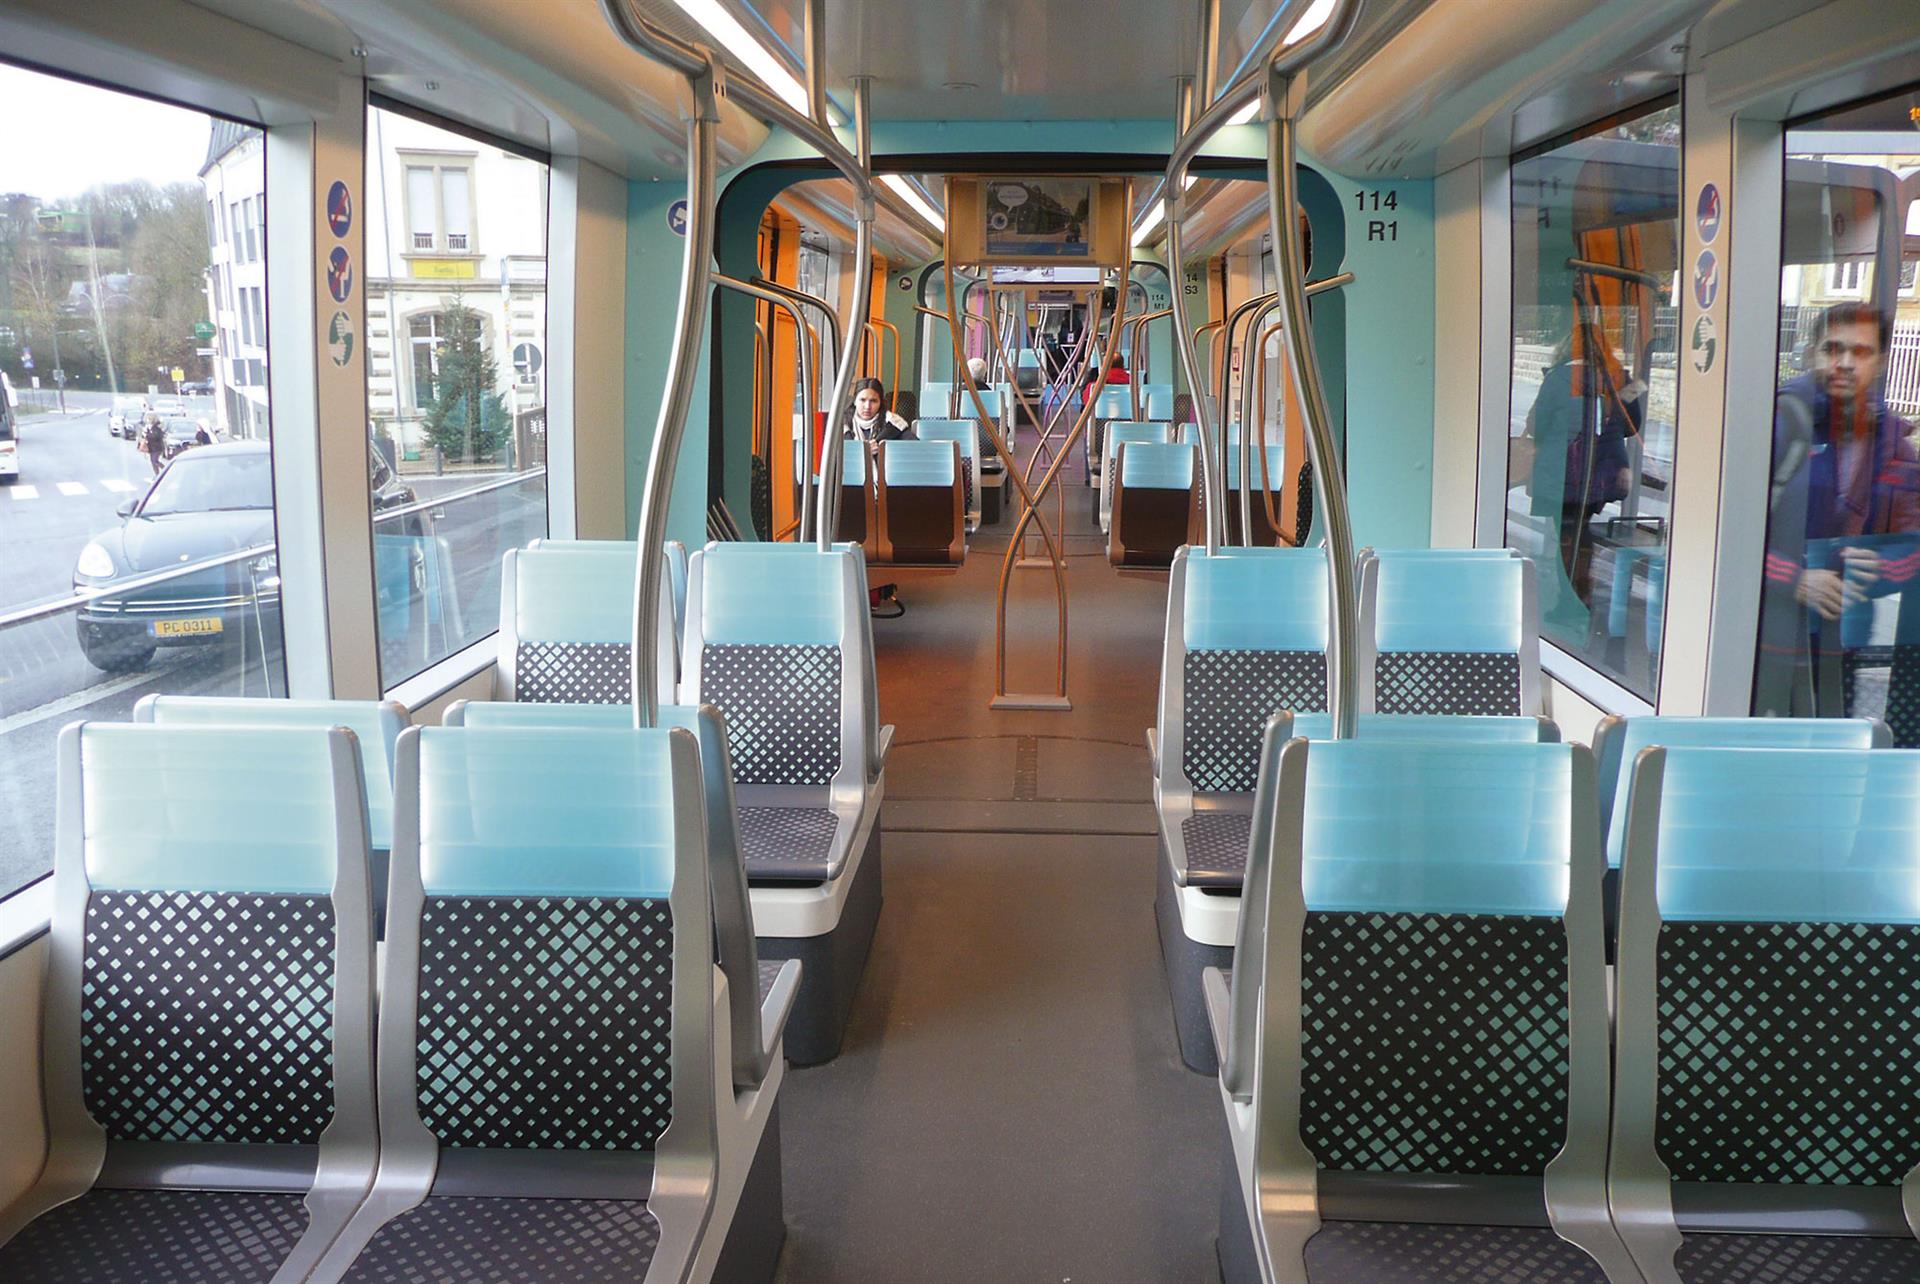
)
(439, 164)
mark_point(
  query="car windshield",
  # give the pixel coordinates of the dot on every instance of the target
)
(181, 427)
(200, 482)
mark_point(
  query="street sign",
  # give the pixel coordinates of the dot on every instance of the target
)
(26, 357)
(178, 374)
(203, 330)
(206, 352)
(60, 376)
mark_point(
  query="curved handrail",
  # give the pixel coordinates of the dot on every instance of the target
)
(809, 389)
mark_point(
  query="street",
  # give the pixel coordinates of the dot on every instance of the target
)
(73, 478)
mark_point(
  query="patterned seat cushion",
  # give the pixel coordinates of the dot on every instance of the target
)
(1229, 697)
(769, 973)
(788, 844)
(1797, 1259)
(473, 1240)
(574, 672)
(1480, 683)
(1408, 1253)
(157, 1236)
(1216, 843)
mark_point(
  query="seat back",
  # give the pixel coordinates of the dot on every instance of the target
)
(550, 899)
(1437, 906)
(1769, 941)
(1154, 504)
(1618, 742)
(937, 397)
(1114, 402)
(1273, 478)
(375, 723)
(1448, 631)
(1246, 637)
(1428, 727)
(1113, 436)
(921, 503)
(209, 1014)
(966, 434)
(780, 640)
(856, 522)
(1156, 402)
(566, 623)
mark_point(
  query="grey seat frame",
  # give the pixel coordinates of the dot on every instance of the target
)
(1367, 645)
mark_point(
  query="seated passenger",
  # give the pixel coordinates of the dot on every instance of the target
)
(872, 421)
(1116, 374)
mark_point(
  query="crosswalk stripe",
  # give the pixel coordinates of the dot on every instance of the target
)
(20, 490)
(70, 488)
(115, 485)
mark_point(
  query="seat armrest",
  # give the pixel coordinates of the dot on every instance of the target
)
(1153, 750)
(1213, 986)
(884, 744)
(776, 1007)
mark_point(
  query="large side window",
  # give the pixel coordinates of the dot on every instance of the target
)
(457, 402)
(1839, 630)
(137, 550)
(1595, 387)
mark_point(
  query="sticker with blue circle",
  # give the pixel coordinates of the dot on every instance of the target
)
(677, 217)
(339, 208)
(1706, 279)
(1706, 213)
(339, 274)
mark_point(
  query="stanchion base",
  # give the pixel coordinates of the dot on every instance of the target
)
(1043, 703)
(1037, 564)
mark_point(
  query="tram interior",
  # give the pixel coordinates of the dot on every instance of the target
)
(745, 640)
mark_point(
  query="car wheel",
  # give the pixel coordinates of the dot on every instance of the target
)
(116, 656)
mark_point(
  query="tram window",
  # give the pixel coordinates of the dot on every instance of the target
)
(458, 421)
(113, 246)
(1839, 628)
(1595, 387)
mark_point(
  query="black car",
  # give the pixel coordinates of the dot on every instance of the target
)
(206, 506)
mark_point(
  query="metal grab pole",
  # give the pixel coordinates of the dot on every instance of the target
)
(811, 454)
(856, 327)
(1246, 417)
(1289, 261)
(809, 393)
(690, 323)
(1183, 347)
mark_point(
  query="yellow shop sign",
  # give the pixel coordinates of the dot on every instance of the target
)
(445, 269)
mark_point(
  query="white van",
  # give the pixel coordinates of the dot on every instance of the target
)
(123, 420)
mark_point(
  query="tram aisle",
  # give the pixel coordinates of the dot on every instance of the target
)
(1010, 1103)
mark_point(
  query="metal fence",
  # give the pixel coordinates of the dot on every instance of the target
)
(1903, 356)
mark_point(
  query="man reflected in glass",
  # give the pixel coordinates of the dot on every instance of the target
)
(1843, 534)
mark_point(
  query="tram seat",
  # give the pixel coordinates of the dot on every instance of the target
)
(1155, 503)
(376, 723)
(759, 995)
(1425, 1097)
(1618, 743)
(921, 503)
(937, 398)
(780, 640)
(1190, 432)
(966, 433)
(858, 521)
(1448, 631)
(566, 623)
(1117, 434)
(1766, 1060)
(676, 554)
(1265, 535)
(1156, 402)
(207, 1025)
(551, 896)
(1114, 404)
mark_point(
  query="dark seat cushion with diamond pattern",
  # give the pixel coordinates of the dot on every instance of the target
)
(1216, 843)
(478, 1240)
(782, 705)
(573, 672)
(157, 1237)
(1408, 1253)
(1797, 1259)
(769, 973)
(1229, 697)
(1482, 683)
(788, 844)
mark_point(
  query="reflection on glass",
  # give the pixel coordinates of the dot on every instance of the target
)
(1837, 636)
(1595, 387)
(136, 489)
(456, 388)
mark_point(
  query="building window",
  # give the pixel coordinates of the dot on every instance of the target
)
(1595, 387)
(453, 415)
(115, 618)
(440, 204)
(1839, 626)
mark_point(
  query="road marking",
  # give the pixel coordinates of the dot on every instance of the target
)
(67, 704)
(70, 488)
(115, 485)
(21, 491)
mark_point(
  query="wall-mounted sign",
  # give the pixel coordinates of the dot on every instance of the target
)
(1706, 279)
(1706, 213)
(677, 216)
(442, 269)
(339, 274)
(340, 338)
(905, 283)
(339, 208)
(1705, 344)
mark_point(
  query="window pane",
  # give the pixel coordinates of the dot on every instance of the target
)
(458, 442)
(1839, 629)
(1595, 388)
(454, 208)
(119, 245)
(421, 206)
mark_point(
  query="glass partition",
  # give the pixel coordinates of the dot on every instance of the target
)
(456, 379)
(137, 548)
(1839, 629)
(1595, 388)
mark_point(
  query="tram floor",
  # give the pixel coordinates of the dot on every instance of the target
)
(1010, 1103)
